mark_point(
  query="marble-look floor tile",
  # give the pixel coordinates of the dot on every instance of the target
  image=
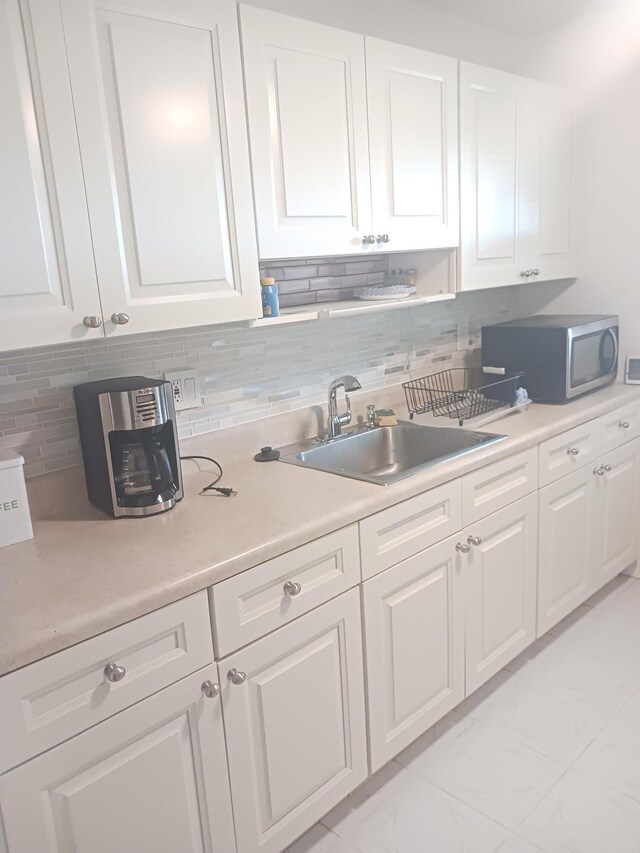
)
(429, 745)
(591, 673)
(552, 721)
(319, 839)
(494, 774)
(416, 817)
(614, 757)
(515, 844)
(538, 651)
(609, 592)
(582, 816)
(501, 683)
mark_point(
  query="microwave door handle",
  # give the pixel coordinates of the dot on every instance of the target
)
(614, 338)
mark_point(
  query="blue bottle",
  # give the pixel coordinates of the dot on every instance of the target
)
(270, 304)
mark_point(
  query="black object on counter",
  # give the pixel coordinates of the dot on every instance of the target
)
(267, 454)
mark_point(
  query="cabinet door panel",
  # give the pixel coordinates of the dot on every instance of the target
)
(549, 233)
(500, 589)
(414, 628)
(566, 549)
(412, 105)
(151, 778)
(158, 93)
(617, 507)
(48, 281)
(296, 728)
(489, 162)
(306, 102)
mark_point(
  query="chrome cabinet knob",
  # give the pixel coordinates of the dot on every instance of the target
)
(292, 588)
(573, 451)
(535, 272)
(114, 673)
(120, 319)
(599, 471)
(463, 548)
(368, 239)
(526, 273)
(210, 688)
(474, 540)
(607, 468)
(624, 424)
(382, 238)
(92, 322)
(236, 677)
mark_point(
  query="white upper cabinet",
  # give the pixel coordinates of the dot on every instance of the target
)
(413, 142)
(307, 107)
(157, 87)
(47, 275)
(331, 174)
(516, 168)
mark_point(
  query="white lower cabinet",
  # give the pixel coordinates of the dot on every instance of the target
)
(294, 719)
(588, 531)
(414, 630)
(616, 506)
(565, 546)
(152, 778)
(499, 571)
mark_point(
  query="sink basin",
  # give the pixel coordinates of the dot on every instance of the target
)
(384, 455)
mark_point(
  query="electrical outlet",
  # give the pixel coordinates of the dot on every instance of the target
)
(184, 384)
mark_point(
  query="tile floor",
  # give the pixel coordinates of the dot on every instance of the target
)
(545, 758)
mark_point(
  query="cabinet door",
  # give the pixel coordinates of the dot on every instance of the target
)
(295, 724)
(491, 126)
(547, 223)
(48, 282)
(567, 522)
(306, 102)
(152, 778)
(414, 630)
(412, 101)
(500, 589)
(157, 87)
(617, 509)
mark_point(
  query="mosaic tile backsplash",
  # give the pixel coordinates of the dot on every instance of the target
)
(244, 373)
(311, 280)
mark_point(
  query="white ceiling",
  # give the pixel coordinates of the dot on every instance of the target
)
(520, 18)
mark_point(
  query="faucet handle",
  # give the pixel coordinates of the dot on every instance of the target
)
(371, 415)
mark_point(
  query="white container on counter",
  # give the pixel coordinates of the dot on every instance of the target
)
(15, 519)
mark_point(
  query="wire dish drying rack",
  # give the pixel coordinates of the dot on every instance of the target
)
(460, 393)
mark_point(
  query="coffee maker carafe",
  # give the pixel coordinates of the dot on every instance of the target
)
(129, 444)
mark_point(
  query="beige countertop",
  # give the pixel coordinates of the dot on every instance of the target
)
(84, 573)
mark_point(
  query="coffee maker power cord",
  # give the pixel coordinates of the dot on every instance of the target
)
(212, 487)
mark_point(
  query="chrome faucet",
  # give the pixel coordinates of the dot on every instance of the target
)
(336, 421)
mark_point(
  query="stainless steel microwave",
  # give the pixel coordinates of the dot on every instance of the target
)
(562, 356)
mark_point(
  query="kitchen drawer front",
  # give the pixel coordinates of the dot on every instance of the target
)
(620, 426)
(497, 485)
(397, 533)
(565, 453)
(255, 602)
(57, 697)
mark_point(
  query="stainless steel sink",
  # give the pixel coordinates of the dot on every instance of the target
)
(384, 455)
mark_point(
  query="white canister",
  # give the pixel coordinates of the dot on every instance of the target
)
(15, 519)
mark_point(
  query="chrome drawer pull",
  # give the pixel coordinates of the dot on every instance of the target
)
(236, 677)
(474, 540)
(114, 673)
(573, 451)
(624, 424)
(292, 588)
(463, 548)
(210, 689)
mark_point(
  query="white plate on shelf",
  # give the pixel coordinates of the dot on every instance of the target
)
(385, 294)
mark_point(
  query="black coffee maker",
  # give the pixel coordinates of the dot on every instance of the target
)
(129, 444)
